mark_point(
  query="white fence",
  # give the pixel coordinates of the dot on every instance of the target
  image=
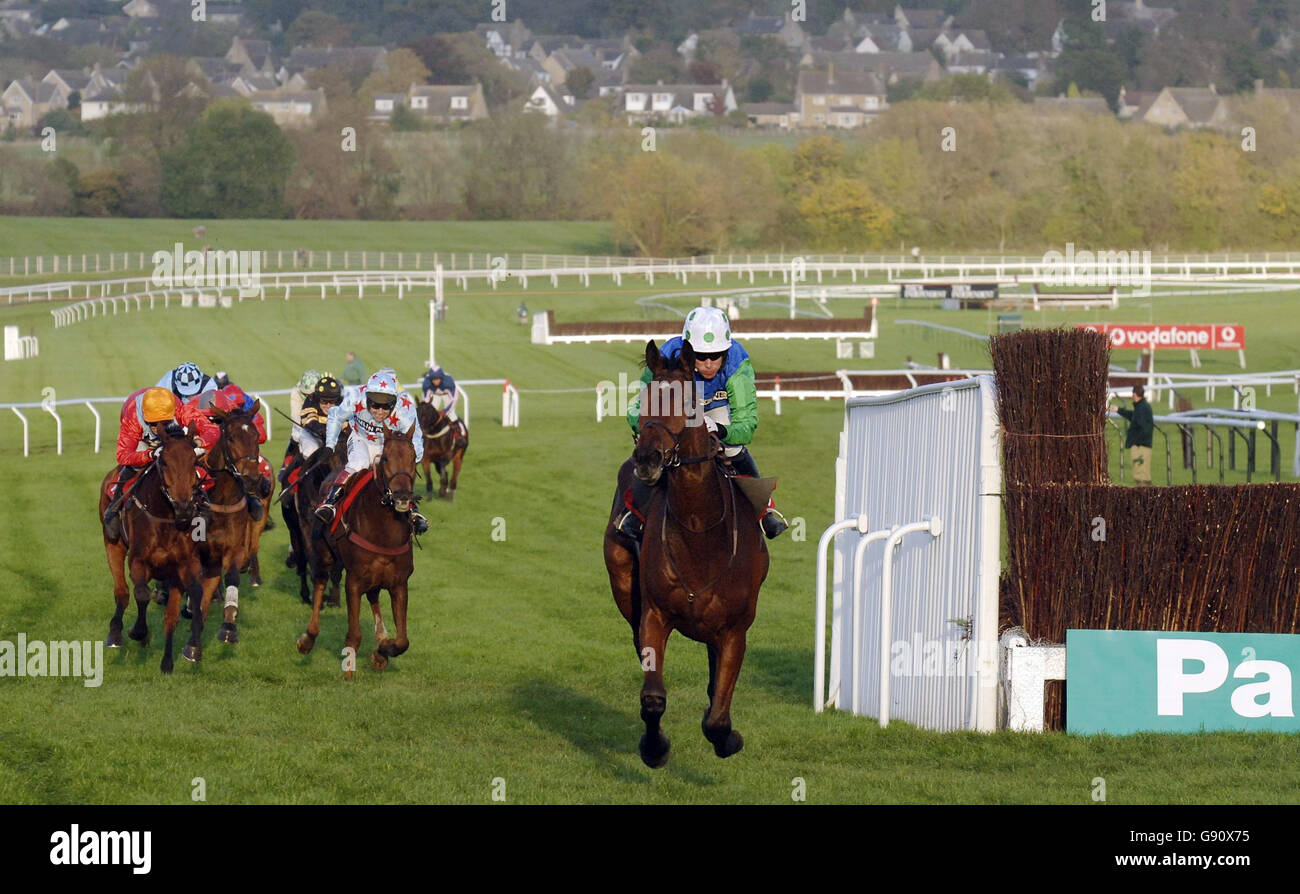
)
(915, 604)
(20, 347)
(509, 410)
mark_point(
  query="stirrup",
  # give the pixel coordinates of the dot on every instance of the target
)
(419, 523)
(773, 524)
(630, 526)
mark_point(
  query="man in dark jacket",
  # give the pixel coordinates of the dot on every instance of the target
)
(1141, 426)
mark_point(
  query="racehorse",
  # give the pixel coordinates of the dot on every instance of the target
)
(156, 538)
(445, 441)
(308, 549)
(701, 561)
(375, 546)
(225, 548)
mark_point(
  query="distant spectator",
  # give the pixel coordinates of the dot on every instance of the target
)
(355, 372)
(1141, 427)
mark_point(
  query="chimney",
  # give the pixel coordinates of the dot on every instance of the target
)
(1259, 85)
(1212, 90)
(830, 73)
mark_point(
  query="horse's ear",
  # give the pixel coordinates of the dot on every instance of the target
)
(256, 408)
(216, 415)
(688, 357)
(652, 360)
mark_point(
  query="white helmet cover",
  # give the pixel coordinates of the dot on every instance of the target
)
(382, 382)
(707, 330)
(188, 379)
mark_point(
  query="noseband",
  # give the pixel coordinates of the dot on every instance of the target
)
(672, 457)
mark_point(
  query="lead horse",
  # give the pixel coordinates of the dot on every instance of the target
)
(701, 562)
(157, 543)
(375, 547)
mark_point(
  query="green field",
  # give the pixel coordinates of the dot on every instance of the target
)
(520, 666)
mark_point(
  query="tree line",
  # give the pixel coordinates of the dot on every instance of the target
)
(977, 175)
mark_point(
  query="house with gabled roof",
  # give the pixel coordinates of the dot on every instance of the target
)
(1065, 105)
(366, 58)
(551, 100)
(783, 28)
(141, 9)
(69, 80)
(921, 18)
(26, 101)
(290, 108)
(676, 102)
(448, 103)
(889, 67)
(834, 98)
(252, 56)
(1190, 107)
(783, 115)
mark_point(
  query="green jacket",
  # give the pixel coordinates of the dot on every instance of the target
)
(354, 373)
(734, 384)
(1141, 426)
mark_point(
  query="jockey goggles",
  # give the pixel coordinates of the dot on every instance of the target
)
(381, 401)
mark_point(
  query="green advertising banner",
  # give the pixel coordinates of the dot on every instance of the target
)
(1128, 681)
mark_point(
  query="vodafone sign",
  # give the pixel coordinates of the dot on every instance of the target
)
(1214, 337)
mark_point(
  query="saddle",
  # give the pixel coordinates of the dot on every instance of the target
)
(349, 497)
(757, 491)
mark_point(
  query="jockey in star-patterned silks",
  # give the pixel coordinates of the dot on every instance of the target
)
(376, 410)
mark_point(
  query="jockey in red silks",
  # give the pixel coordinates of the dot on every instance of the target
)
(145, 415)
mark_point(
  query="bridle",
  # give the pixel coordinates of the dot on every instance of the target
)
(672, 457)
(381, 470)
(230, 465)
(177, 515)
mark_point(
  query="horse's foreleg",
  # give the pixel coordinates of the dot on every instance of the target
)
(428, 478)
(171, 616)
(140, 581)
(654, 698)
(207, 586)
(717, 720)
(228, 632)
(391, 648)
(308, 639)
(353, 639)
(713, 673)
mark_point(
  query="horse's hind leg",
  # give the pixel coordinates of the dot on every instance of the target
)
(372, 596)
(199, 598)
(353, 639)
(717, 720)
(654, 698)
(428, 479)
(455, 473)
(308, 640)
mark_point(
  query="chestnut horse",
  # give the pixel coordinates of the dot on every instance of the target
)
(375, 546)
(444, 443)
(225, 550)
(157, 541)
(701, 561)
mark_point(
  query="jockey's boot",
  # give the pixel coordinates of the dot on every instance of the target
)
(773, 523)
(325, 511)
(113, 519)
(630, 526)
(419, 523)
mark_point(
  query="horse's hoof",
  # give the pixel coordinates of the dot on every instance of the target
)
(138, 635)
(228, 634)
(657, 756)
(378, 659)
(114, 640)
(160, 597)
(347, 675)
(166, 666)
(192, 653)
(255, 582)
(291, 560)
(332, 601)
(186, 613)
(305, 643)
(733, 743)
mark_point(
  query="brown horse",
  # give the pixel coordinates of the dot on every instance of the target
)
(701, 562)
(375, 546)
(225, 548)
(157, 541)
(445, 441)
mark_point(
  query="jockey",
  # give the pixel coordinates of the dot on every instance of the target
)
(378, 409)
(309, 433)
(440, 390)
(303, 390)
(724, 383)
(145, 415)
(187, 381)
